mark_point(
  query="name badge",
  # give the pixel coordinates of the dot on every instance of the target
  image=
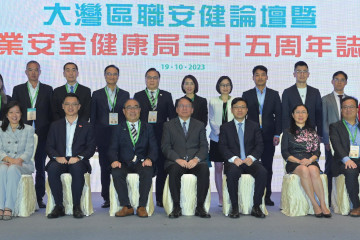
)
(354, 151)
(31, 114)
(134, 159)
(260, 120)
(113, 119)
(152, 118)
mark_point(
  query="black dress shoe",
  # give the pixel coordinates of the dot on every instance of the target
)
(319, 215)
(256, 212)
(41, 204)
(234, 213)
(200, 211)
(106, 204)
(159, 204)
(268, 202)
(58, 211)
(176, 212)
(77, 213)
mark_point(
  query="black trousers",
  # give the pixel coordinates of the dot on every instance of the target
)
(201, 171)
(352, 183)
(160, 175)
(40, 158)
(105, 167)
(145, 180)
(233, 173)
(328, 171)
(77, 172)
(267, 161)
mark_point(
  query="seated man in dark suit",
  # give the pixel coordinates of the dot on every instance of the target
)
(133, 149)
(345, 139)
(241, 144)
(70, 145)
(185, 148)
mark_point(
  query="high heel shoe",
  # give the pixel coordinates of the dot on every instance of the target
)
(319, 215)
(328, 215)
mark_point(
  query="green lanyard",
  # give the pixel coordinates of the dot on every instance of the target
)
(134, 141)
(224, 114)
(68, 90)
(353, 138)
(35, 96)
(112, 104)
(153, 103)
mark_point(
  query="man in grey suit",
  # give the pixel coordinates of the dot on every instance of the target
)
(185, 148)
(332, 113)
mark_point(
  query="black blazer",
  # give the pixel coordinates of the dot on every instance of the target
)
(165, 110)
(83, 142)
(2, 107)
(229, 144)
(84, 95)
(291, 98)
(121, 148)
(42, 105)
(200, 109)
(99, 117)
(271, 115)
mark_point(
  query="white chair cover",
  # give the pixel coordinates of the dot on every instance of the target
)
(340, 200)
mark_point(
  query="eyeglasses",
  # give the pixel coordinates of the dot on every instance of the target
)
(348, 107)
(184, 106)
(152, 78)
(132, 108)
(342, 80)
(300, 112)
(239, 107)
(302, 71)
(109, 74)
(225, 85)
(189, 83)
(71, 104)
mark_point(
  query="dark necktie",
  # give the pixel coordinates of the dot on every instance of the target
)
(184, 128)
(153, 105)
(340, 96)
(133, 131)
(72, 89)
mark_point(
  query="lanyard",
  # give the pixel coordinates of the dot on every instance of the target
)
(153, 103)
(112, 104)
(224, 114)
(68, 90)
(35, 96)
(353, 138)
(134, 141)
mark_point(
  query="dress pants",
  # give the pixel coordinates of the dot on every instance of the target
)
(328, 171)
(40, 158)
(160, 175)
(352, 182)
(145, 180)
(105, 166)
(76, 171)
(201, 171)
(233, 173)
(267, 161)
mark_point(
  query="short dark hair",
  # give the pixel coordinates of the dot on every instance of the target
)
(300, 63)
(131, 99)
(72, 95)
(220, 80)
(32, 61)
(350, 98)
(259, 67)
(194, 81)
(188, 99)
(238, 99)
(293, 126)
(340, 72)
(152, 69)
(5, 120)
(111, 66)
(68, 63)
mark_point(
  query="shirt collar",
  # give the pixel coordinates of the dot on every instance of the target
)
(356, 123)
(31, 87)
(187, 121)
(75, 122)
(155, 91)
(258, 90)
(237, 122)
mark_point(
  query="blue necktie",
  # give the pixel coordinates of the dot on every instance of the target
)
(241, 140)
(72, 89)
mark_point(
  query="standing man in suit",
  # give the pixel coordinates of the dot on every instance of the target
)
(106, 105)
(241, 144)
(71, 73)
(35, 99)
(345, 139)
(264, 107)
(332, 113)
(185, 147)
(157, 108)
(301, 93)
(70, 145)
(133, 149)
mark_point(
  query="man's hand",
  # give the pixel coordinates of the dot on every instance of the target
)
(248, 161)
(192, 163)
(276, 141)
(61, 160)
(147, 163)
(350, 164)
(238, 161)
(73, 160)
(116, 164)
(181, 162)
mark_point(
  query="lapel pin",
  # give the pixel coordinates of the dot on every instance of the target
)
(80, 126)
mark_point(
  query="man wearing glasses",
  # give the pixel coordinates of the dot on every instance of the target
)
(301, 93)
(133, 149)
(106, 112)
(332, 113)
(157, 107)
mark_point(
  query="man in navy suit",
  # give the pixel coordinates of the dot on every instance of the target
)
(106, 105)
(157, 107)
(71, 73)
(241, 144)
(35, 98)
(70, 145)
(133, 149)
(264, 107)
(301, 93)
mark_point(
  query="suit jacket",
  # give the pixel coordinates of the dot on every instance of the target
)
(340, 142)
(83, 142)
(165, 110)
(291, 98)
(122, 149)
(99, 117)
(200, 109)
(330, 114)
(229, 144)
(2, 107)
(175, 145)
(42, 105)
(84, 95)
(271, 113)
(18, 144)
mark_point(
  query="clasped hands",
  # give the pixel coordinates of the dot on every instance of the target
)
(189, 165)
(248, 161)
(305, 162)
(72, 160)
(146, 163)
(12, 161)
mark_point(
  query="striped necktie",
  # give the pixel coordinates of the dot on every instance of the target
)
(133, 131)
(153, 105)
(72, 89)
(184, 128)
